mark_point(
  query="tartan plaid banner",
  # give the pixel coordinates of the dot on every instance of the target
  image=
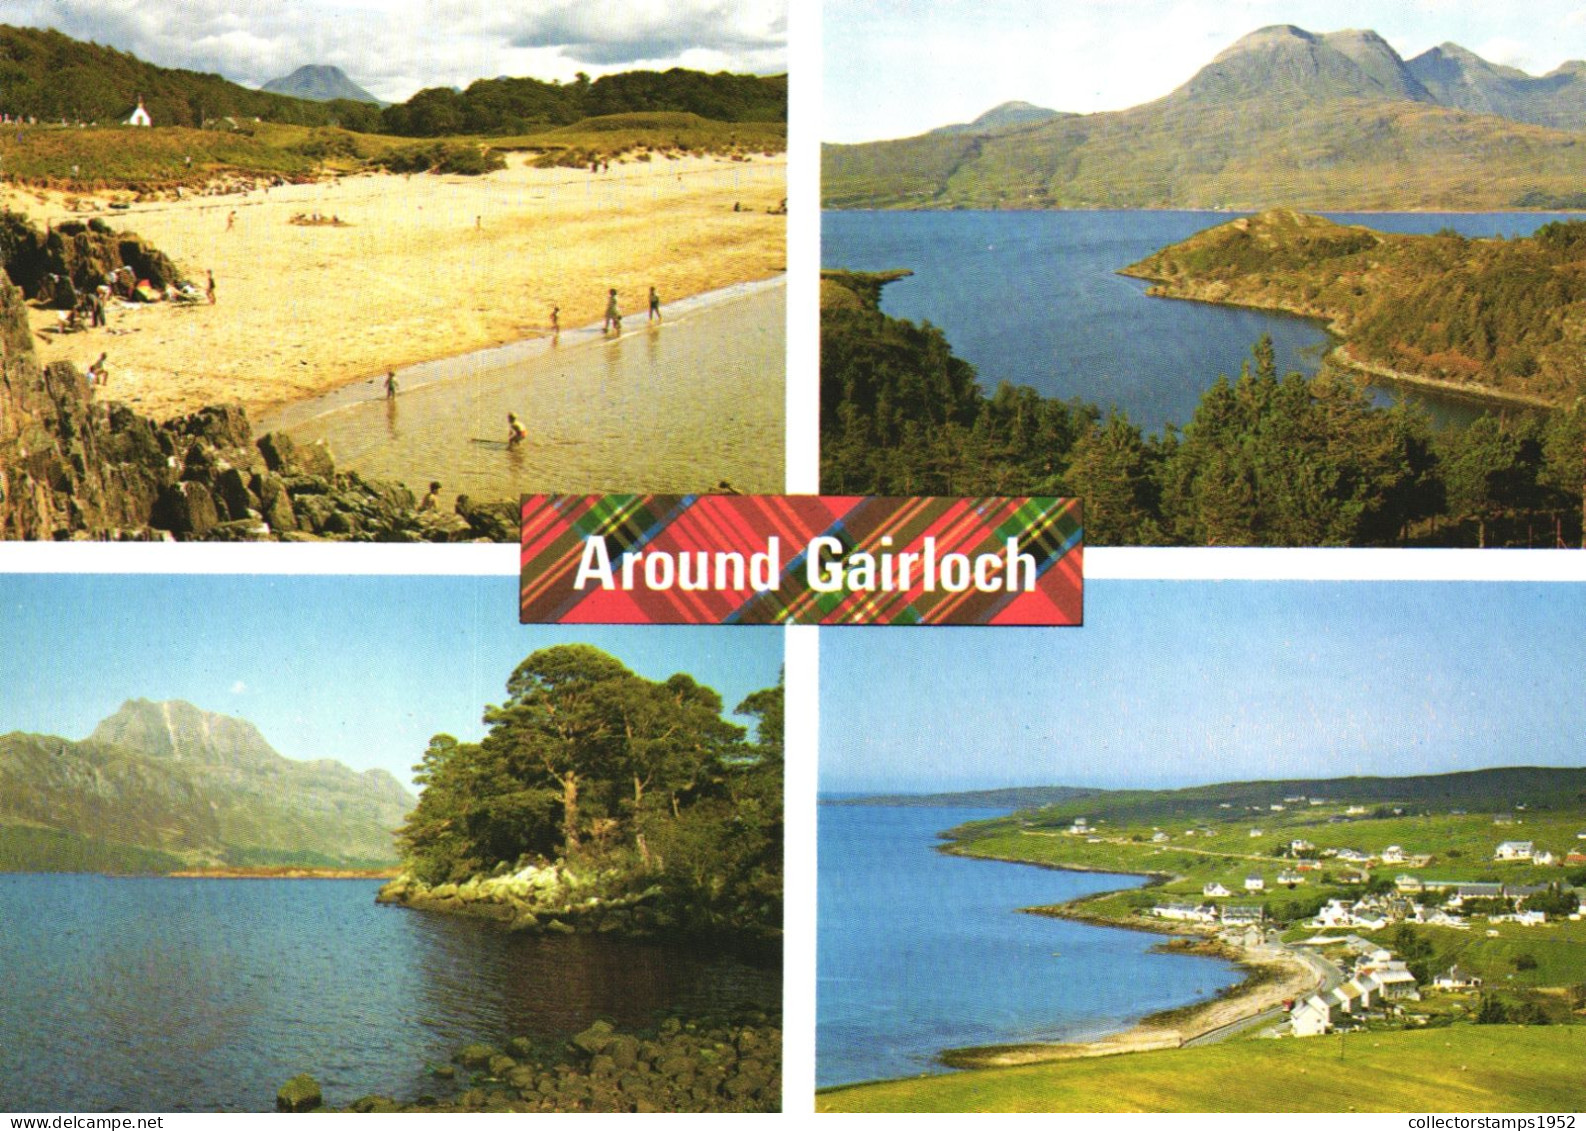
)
(800, 559)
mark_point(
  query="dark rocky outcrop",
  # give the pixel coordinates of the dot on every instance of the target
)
(681, 1066)
(57, 266)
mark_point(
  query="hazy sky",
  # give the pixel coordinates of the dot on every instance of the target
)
(360, 669)
(895, 68)
(393, 48)
(1177, 683)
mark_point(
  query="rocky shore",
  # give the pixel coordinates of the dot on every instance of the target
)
(543, 899)
(682, 1066)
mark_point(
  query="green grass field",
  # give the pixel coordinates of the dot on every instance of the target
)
(1464, 1068)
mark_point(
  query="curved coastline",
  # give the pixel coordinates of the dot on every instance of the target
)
(1270, 978)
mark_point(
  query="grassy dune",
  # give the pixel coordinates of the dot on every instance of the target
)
(1460, 1068)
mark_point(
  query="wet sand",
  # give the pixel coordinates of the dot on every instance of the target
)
(424, 267)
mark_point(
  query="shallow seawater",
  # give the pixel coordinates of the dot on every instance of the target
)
(171, 995)
(677, 406)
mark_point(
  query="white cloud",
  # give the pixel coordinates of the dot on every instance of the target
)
(239, 688)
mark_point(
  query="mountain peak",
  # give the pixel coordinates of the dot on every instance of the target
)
(318, 82)
(176, 729)
(1302, 66)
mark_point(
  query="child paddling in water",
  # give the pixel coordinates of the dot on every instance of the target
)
(515, 430)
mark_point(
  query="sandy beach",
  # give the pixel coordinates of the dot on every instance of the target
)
(420, 268)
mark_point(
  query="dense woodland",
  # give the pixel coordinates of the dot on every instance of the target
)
(51, 77)
(592, 764)
(1266, 460)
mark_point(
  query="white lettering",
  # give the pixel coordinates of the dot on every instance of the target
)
(823, 577)
(595, 564)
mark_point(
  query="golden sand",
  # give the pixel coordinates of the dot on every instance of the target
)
(422, 267)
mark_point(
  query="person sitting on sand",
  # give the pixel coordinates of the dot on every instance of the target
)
(655, 306)
(390, 385)
(516, 433)
(98, 372)
(430, 501)
(613, 315)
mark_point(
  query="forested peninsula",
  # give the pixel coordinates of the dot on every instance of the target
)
(1490, 317)
(603, 801)
(1265, 460)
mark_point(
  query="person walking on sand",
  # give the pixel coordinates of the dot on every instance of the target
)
(613, 315)
(210, 289)
(516, 433)
(98, 373)
(556, 321)
(655, 307)
(390, 385)
(231, 219)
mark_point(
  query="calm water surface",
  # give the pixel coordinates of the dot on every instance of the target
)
(920, 952)
(675, 407)
(1034, 298)
(206, 995)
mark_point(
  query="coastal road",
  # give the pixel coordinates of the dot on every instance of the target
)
(1328, 976)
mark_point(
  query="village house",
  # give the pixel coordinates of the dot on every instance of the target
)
(1291, 878)
(1393, 854)
(1543, 858)
(1160, 837)
(1513, 850)
(1407, 883)
(140, 116)
(1255, 883)
(1243, 916)
(1215, 889)
(1185, 912)
(1455, 979)
(1298, 846)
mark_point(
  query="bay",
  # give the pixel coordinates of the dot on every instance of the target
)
(919, 951)
(1034, 298)
(176, 995)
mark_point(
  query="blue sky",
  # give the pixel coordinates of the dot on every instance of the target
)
(1180, 683)
(895, 68)
(393, 48)
(360, 669)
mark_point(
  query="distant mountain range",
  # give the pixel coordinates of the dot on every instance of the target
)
(199, 789)
(1283, 117)
(320, 84)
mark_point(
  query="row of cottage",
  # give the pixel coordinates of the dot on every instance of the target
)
(1377, 981)
(1372, 912)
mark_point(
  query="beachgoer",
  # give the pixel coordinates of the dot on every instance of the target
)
(210, 289)
(231, 220)
(390, 385)
(613, 315)
(515, 430)
(98, 372)
(556, 319)
(430, 501)
(655, 306)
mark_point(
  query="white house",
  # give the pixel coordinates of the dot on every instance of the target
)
(1215, 888)
(1456, 979)
(1513, 850)
(1393, 854)
(1311, 1017)
(1185, 912)
(1291, 878)
(1255, 883)
(140, 116)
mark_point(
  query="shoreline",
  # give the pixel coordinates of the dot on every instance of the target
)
(1269, 978)
(455, 367)
(422, 268)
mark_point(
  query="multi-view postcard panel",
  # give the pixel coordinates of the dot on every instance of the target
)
(1305, 284)
(1152, 864)
(466, 865)
(529, 260)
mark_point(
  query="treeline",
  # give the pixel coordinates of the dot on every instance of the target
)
(1266, 460)
(50, 76)
(592, 764)
(520, 105)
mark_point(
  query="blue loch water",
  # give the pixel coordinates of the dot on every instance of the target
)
(1034, 298)
(920, 952)
(175, 995)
